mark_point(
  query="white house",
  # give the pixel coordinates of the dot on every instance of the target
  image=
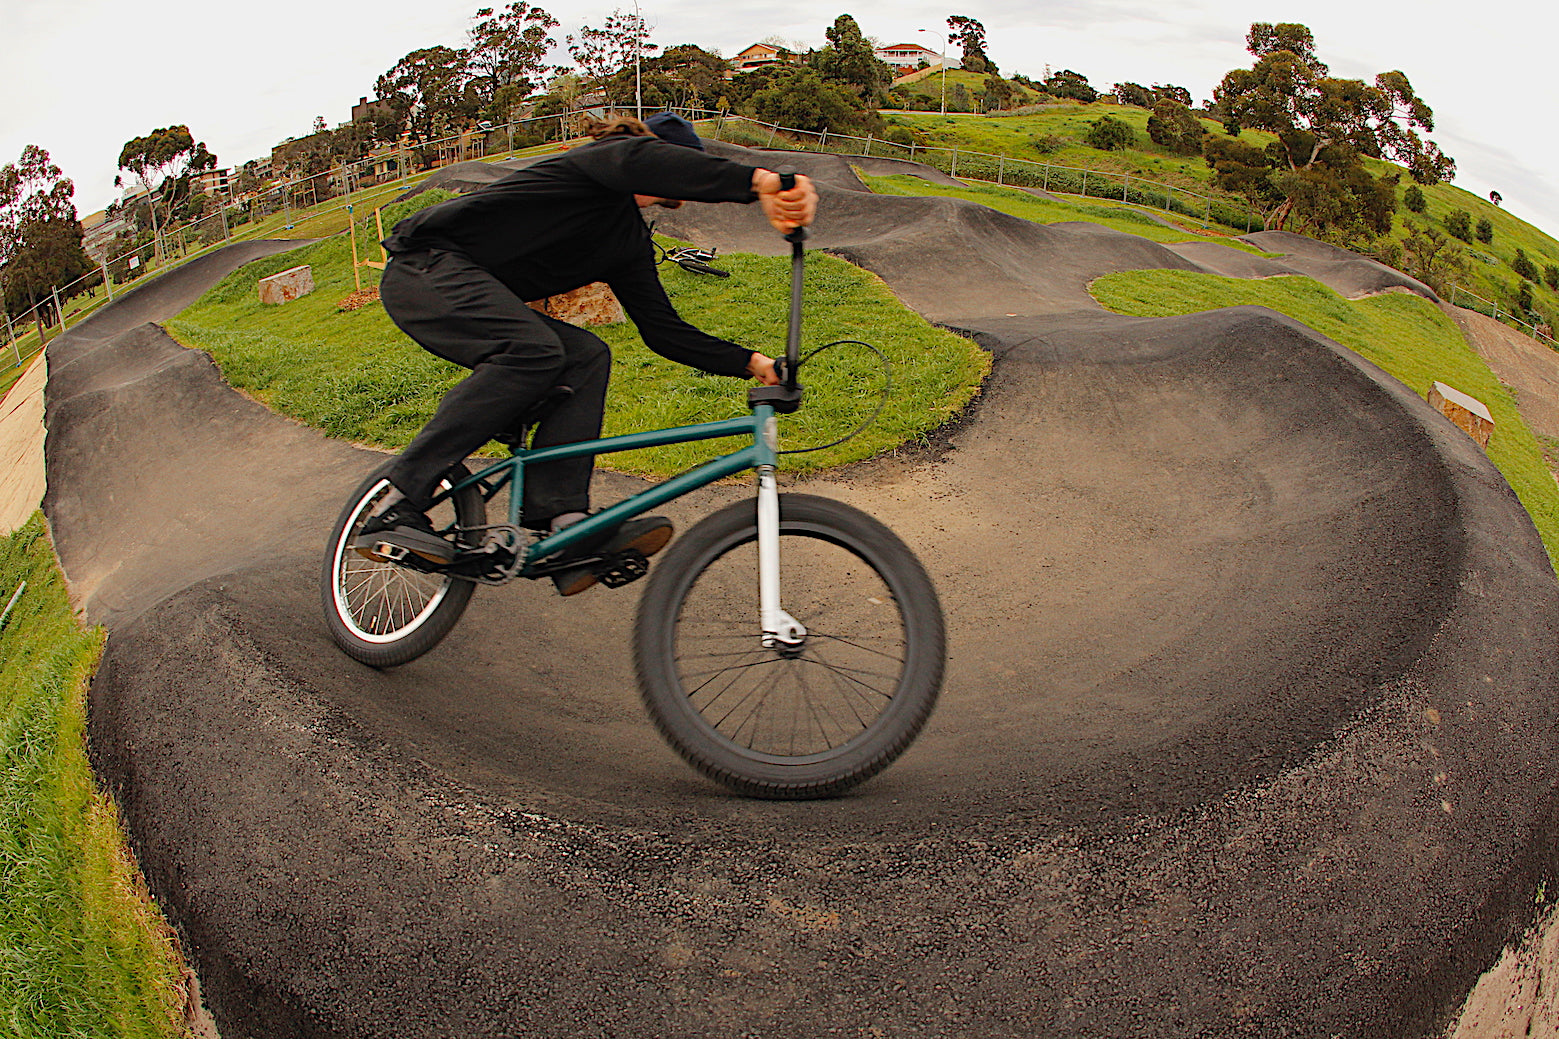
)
(907, 56)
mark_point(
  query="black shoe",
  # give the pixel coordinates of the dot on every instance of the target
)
(406, 529)
(643, 536)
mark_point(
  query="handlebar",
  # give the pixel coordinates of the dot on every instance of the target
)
(786, 397)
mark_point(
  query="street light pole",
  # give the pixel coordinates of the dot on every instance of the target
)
(943, 63)
(638, 48)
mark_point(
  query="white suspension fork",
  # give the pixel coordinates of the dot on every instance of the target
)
(779, 627)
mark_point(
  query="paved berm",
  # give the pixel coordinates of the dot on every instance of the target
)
(1249, 725)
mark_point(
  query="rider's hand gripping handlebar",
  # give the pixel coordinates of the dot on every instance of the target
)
(786, 397)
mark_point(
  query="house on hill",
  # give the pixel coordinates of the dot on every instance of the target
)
(761, 54)
(906, 57)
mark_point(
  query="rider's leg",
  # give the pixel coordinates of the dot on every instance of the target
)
(557, 488)
(460, 312)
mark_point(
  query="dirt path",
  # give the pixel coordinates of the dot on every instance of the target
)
(22, 480)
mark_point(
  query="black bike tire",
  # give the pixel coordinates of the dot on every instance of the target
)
(836, 770)
(426, 631)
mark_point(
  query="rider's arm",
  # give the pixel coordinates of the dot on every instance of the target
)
(650, 166)
(637, 287)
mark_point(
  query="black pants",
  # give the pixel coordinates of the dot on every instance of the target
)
(460, 312)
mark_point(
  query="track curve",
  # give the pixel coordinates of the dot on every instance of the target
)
(1249, 725)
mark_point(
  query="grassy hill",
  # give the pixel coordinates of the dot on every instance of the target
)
(1055, 134)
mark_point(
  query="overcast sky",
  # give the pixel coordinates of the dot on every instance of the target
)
(81, 77)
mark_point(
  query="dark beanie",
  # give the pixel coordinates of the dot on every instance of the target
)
(674, 129)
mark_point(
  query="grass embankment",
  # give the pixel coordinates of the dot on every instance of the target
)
(83, 952)
(1408, 336)
(1019, 203)
(354, 375)
(1056, 136)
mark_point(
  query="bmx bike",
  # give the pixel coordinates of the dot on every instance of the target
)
(787, 646)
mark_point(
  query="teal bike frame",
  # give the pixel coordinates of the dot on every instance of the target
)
(510, 472)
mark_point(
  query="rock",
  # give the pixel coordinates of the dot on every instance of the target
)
(288, 285)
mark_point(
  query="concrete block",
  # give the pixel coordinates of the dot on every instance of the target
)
(591, 304)
(1470, 414)
(288, 285)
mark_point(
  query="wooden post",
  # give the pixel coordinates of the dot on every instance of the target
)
(108, 280)
(351, 230)
(1001, 169)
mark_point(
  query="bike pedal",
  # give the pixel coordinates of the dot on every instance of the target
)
(623, 568)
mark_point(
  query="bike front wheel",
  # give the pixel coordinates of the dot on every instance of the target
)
(382, 613)
(799, 721)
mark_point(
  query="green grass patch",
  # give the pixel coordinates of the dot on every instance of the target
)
(82, 950)
(1019, 203)
(1405, 334)
(357, 377)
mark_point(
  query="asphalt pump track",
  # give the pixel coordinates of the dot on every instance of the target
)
(1248, 729)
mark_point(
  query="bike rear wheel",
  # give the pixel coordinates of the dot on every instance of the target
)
(383, 613)
(792, 722)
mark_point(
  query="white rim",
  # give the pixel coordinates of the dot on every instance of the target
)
(393, 591)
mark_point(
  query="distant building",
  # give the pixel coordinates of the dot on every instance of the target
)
(907, 56)
(366, 109)
(213, 182)
(761, 54)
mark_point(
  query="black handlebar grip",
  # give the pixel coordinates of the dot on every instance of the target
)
(787, 180)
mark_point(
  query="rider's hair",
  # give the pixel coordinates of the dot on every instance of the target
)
(617, 126)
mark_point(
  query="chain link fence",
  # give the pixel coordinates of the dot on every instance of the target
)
(1000, 169)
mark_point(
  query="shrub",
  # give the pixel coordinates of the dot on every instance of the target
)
(1413, 199)
(1108, 134)
(1551, 277)
(1459, 223)
(1485, 231)
(1174, 127)
(1048, 143)
(899, 135)
(1524, 266)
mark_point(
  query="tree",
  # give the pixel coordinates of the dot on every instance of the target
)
(1485, 232)
(850, 60)
(1069, 84)
(1108, 133)
(1524, 266)
(970, 34)
(958, 99)
(1174, 93)
(507, 57)
(998, 94)
(1459, 223)
(427, 92)
(1551, 277)
(1432, 258)
(1325, 127)
(40, 237)
(797, 96)
(1413, 199)
(1134, 94)
(600, 54)
(680, 76)
(162, 161)
(1174, 127)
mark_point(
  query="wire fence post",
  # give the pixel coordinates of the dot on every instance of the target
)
(59, 311)
(108, 280)
(1001, 170)
(955, 163)
(1085, 183)
(10, 333)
